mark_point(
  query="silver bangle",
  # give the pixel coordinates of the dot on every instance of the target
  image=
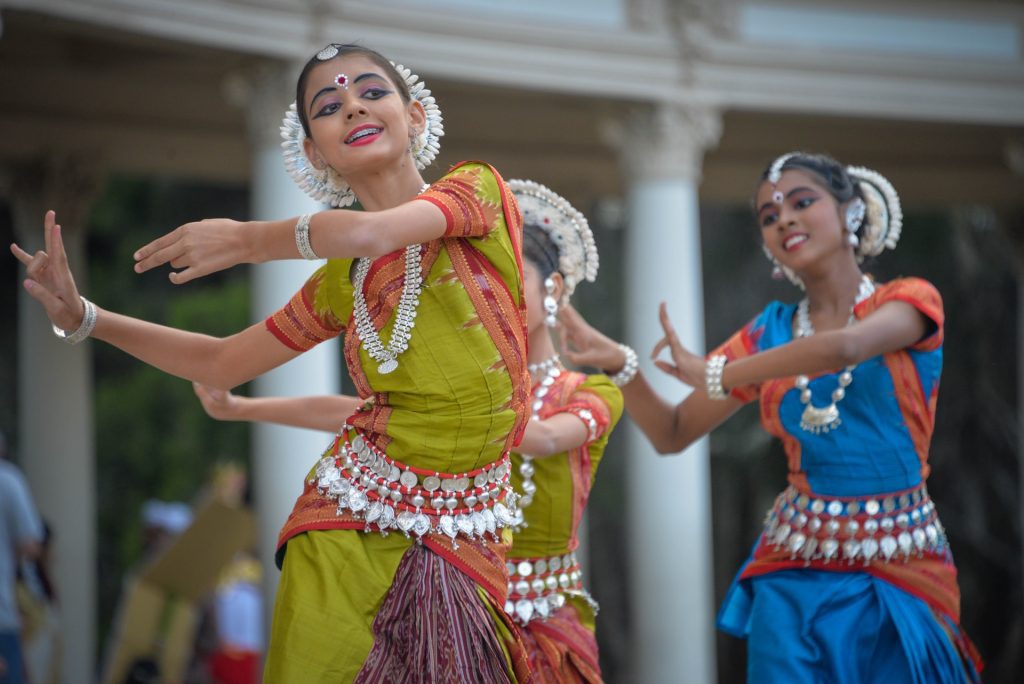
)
(85, 329)
(302, 238)
(713, 377)
(629, 368)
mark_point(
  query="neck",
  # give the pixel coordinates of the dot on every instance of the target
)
(541, 346)
(832, 291)
(387, 188)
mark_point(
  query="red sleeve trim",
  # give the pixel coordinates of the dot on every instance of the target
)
(921, 295)
(297, 326)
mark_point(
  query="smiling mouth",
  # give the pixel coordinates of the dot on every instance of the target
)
(794, 241)
(362, 134)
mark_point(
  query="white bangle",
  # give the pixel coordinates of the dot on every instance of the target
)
(86, 327)
(713, 377)
(629, 368)
(302, 238)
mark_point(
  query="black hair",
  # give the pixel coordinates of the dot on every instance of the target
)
(343, 50)
(540, 250)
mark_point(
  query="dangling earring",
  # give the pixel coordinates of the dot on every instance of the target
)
(550, 304)
(854, 219)
(415, 143)
(777, 272)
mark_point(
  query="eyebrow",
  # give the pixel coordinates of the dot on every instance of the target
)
(328, 89)
(368, 74)
(331, 89)
(788, 195)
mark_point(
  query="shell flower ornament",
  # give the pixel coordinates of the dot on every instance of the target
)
(325, 185)
(568, 228)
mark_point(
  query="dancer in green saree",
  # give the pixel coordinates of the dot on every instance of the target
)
(554, 467)
(393, 561)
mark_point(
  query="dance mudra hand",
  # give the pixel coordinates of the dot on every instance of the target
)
(219, 404)
(50, 281)
(583, 345)
(686, 366)
(197, 249)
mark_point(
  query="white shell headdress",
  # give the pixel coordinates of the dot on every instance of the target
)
(883, 221)
(565, 225)
(326, 185)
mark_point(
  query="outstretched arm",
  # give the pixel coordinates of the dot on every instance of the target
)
(327, 413)
(212, 245)
(893, 326)
(220, 362)
(670, 427)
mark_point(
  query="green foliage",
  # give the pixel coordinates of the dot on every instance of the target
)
(153, 439)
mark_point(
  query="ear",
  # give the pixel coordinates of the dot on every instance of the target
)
(559, 282)
(417, 117)
(309, 147)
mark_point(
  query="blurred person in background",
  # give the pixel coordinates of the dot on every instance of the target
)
(37, 600)
(21, 538)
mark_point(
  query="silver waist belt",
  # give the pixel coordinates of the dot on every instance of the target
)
(537, 587)
(896, 525)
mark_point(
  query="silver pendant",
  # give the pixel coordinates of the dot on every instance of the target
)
(388, 366)
(818, 420)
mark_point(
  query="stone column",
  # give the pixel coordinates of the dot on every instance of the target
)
(281, 456)
(55, 441)
(669, 507)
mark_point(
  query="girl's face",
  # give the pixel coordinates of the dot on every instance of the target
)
(535, 292)
(358, 120)
(805, 226)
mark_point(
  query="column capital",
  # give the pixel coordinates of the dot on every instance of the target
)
(66, 183)
(665, 140)
(263, 91)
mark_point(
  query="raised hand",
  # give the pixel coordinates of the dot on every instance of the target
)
(198, 249)
(584, 345)
(218, 403)
(50, 281)
(686, 366)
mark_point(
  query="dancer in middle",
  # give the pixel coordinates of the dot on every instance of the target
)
(572, 417)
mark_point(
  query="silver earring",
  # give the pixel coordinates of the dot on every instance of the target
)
(777, 273)
(550, 304)
(415, 143)
(855, 212)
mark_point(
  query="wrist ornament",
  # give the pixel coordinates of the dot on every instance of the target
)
(84, 329)
(713, 377)
(629, 367)
(302, 238)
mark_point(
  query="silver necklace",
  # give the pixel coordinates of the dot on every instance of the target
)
(387, 355)
(823, 419)
(552, 368)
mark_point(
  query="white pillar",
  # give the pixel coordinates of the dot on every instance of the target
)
(669, 506)
(281, 456)
(55, 409)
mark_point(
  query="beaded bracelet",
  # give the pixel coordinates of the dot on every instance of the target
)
(84, 329)
(629, 368)
(713, 377)
(302, 238)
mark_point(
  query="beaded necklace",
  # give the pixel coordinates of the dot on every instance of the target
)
(386, 356)
(552, 369)
(823, 419)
